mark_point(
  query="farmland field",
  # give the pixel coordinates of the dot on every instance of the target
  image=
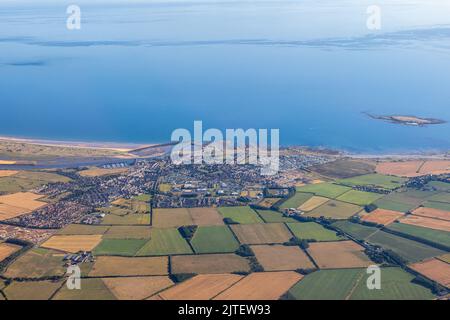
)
(312, 230)
(93, 289)
(385, 203)
(83, 229)
(296, 200)
(326, 284)
(400, 168)
(382, 216)
(439, 186)
(7, 173)
(129, 219)
(445, 258)
(335, 209)
(436, 236)
(121, 266)
(344, 168)
(165, 242)
(73, 243)
(209, 263)
(171, 218)
(313, 203)
(214, 239)
(441, 197)
(435, 270)
(377, 180)
(350, 284)
(327, 190)
(281, 258)
(32, 290)
(7, 249)
(359, 197)
(270, 216)
(437, 205)
(395, 285)
(128, 232)
(339, 254)
(16, 204)
(409, 250)
(355, 230)
(261, 286)
(205, 216)
(119, 247)
(137, 288)
(259, 233)
(432, 213)
(431, 223)
(98, 172)
(36, 263)
(200, 287)
(241, 215)
(27, 180)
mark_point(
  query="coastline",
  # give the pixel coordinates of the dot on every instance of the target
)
(128, 147)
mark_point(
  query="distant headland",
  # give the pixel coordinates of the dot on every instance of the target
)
(406, 119)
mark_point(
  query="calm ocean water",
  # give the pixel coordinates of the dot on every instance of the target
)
(138, 70)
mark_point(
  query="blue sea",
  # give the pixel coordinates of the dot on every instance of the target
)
(137, 70)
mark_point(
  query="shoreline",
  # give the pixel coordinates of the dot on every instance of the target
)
(127, 147)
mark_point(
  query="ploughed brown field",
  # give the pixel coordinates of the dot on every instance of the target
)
(338, 254)
(432, 213)
(123, 266)
(201, 287)
(434, 269)
(7, 249)
(7, 173)
(73, 243)
(137, 288)
(382, 216)
(16, 204)
(261, 286)
(426, 222)
(261, 233)
(414, 168)
(281, 258)
(209, 263)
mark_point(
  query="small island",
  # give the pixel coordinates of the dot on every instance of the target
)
(407, 120)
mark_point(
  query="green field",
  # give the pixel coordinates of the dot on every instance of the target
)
(31, 290)
(143, 197)
(36, 263)
(296, 200)
(92, 289)
(439, 186)
(351, 284)
(165, 242)
(441, 197)
(335, 209)
(360, 198)
(312, 230)
(437, 205)
(395, 285)
(128, 232)
(437, 236)
(129, 219)
(241, 215)
(214, 239)
(83, 229)
(326, 284)
(27, 180)
(377, 180)
(410, 250)
(356, 230)
(327, 190)
(385, 203)
(271, 216)
(119, 247)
